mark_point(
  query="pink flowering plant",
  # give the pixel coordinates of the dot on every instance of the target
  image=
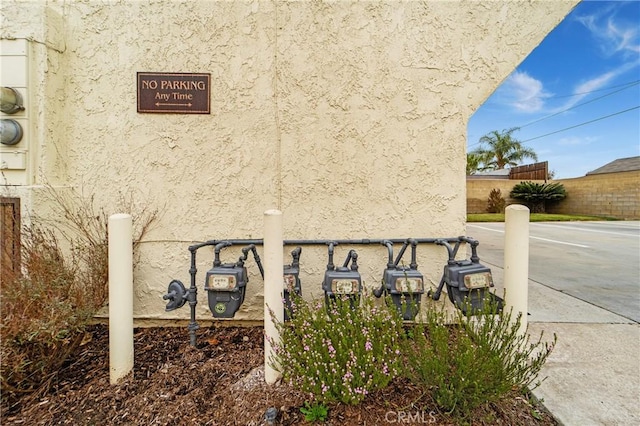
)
(341, 352)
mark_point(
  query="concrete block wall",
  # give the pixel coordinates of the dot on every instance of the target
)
(614, 195)
(478, 192)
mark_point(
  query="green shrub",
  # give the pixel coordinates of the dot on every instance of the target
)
(496, 202)
(315, 412)
(536, 195)
(473, 360)
(339, 353)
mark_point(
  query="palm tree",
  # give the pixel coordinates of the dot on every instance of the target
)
(473, 163)
(503, 150)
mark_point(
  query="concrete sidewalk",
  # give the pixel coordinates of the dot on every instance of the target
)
(593, 374)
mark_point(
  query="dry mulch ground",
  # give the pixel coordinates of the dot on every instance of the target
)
(219, 382)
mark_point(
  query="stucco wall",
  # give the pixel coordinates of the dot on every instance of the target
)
(614, 195)
(348, 116)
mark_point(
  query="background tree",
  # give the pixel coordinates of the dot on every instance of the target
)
(474, 163)
(496, 202)
(502, 150)
(537, 195)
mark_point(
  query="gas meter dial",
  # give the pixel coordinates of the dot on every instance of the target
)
(221, 282)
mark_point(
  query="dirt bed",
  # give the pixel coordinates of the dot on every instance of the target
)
(219, 382)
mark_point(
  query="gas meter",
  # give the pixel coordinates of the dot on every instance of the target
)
(342, 280)
(226, 284)
(291, 277)
(404, 284)
(468, 281)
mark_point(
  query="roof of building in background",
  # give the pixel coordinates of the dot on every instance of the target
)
(535, 171)
(491, 174)
(620, 165)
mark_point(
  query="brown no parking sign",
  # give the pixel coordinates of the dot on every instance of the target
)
(174, 93)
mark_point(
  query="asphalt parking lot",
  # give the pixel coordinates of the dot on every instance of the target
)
(596, 262)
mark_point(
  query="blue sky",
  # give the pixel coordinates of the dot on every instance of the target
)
(590, 58)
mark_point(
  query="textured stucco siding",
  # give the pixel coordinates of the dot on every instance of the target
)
(350, 117)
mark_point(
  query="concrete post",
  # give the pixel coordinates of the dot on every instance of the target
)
(120, 296)
(273, 288)
(516, 262)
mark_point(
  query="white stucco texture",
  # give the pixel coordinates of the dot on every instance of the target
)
(350, 117)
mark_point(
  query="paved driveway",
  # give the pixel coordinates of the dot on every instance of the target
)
(596, 262)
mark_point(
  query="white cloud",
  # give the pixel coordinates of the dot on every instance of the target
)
(596, 83)
(625, 39)
(584, 88)
(524, 92)
(545, 153)
(614, 33)
(576, 140)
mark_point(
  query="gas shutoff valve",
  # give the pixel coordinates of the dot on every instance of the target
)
(342, 280)
(404, 284)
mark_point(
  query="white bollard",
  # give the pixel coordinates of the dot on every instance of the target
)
(120, 296)
(516, 262)
(273, 288)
